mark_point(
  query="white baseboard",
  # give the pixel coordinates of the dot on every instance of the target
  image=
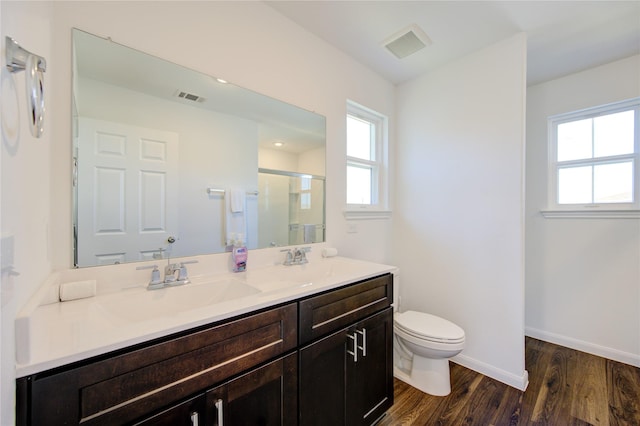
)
(513, 380)
(581, 345)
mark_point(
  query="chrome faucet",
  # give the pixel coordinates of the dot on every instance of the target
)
(183, 275)
(170, 278)
(296, 256)
(170, 273)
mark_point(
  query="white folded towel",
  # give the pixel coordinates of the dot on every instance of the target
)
(77, 290)
(237, 198)
(329, 252)
(309, 233)
(235, 220)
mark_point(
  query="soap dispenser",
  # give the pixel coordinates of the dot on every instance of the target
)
(239, 255)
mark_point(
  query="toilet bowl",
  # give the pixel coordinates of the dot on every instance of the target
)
(423, 344)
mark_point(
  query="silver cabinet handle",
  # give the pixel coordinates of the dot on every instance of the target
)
(363, 348)
(354, 337)
(194, 418)
(220, 413)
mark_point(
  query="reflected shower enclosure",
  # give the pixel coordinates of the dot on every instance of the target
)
(294, 202)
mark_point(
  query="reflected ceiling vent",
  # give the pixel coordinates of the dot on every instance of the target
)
(189, 96)
(406, 42)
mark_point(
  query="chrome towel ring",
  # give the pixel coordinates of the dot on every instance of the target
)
(20, 59)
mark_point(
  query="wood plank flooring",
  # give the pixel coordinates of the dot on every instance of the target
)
(566, 387)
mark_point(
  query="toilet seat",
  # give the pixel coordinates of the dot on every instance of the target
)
(428, 327)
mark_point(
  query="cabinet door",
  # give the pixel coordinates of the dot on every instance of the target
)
(346, 378)
(322, 381)
(264, 396)
(370, 379)
(189, 413)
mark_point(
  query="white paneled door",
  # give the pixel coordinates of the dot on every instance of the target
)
(127, 191)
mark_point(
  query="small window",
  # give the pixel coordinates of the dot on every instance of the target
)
(366, 159)
(305, 193)
(594, 162)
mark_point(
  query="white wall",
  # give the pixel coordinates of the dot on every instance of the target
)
(26, 166)
(582, 275)
(248, 43)
(459, 214)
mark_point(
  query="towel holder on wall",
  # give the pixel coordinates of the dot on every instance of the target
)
(20, 59)
(212, 191)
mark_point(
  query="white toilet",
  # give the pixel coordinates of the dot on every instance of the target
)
(422, 346)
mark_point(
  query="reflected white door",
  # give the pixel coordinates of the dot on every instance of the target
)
(127, 191)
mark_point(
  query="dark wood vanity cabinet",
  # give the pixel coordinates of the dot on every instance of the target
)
(346, 377)
(123, 388)
(322, 360)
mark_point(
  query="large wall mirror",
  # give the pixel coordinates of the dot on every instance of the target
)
(172, 162)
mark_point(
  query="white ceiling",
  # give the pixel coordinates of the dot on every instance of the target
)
(563, 36)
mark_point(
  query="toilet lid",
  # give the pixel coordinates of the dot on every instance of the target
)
(429, 327)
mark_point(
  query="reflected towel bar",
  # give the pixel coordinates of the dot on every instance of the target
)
(296, 226)
(222, 191)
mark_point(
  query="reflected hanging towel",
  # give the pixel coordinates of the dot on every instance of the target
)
(235, 221)
(237, 197)
(309, 233)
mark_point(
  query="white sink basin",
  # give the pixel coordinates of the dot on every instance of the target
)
(204, 293)
(141, 304)
(310, 274)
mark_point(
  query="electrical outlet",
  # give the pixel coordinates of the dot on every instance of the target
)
(352, 228)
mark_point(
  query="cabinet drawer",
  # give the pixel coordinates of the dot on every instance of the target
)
(325, 313)
(122, 388)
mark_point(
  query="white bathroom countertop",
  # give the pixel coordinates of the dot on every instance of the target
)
(55, 334)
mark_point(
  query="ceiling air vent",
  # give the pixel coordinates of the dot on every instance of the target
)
(189, 96)
(406, 42)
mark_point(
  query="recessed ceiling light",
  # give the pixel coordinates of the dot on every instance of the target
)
(220, 80)
(278, 144)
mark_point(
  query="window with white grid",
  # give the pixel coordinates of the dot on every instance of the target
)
(594, 158)
(366, 162)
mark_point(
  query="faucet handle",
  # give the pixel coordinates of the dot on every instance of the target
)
(289, 257)
(155, 275)
(302, 253)
(183, 275)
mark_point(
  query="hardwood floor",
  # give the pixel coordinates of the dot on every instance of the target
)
(566, 387)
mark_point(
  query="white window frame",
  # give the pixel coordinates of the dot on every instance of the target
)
(593, 210)
(379, 166)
